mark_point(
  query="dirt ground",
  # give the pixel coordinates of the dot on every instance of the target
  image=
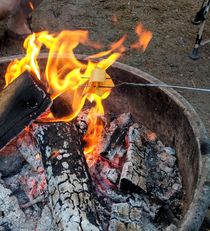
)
(167, 55)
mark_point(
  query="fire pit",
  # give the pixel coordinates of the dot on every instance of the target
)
(174, 121)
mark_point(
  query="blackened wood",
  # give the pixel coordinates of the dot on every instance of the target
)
(133, 176)
(67, 175)
(21, 102)
(115, 135)
(60, 108)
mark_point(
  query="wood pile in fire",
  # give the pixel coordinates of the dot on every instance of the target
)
(133, 185)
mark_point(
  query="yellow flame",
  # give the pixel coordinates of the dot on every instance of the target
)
(63, 73)
(144, 38)
(31, 5)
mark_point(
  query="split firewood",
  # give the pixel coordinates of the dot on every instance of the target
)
(134, 170)
(68, 177)
(22, 101)
(125, 217)
(115, 135)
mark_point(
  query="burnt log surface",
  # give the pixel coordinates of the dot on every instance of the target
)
(134, 170)
(21, 102)
(68, 177)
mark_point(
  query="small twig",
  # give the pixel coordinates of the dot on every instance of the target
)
(193, 83)
(33, 202)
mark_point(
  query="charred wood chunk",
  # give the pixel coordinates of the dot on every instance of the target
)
(10, 160)
(21, 102)
(125, 217)
(29, 152)
(116, 225)
(133, 176)
(60, 108)
(68, 178)
(115, 136)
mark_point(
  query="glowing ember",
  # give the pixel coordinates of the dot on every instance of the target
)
(34, 188)
(152, 136)
(54, 154)
(115, 18)
(37, 156)
(64, 74)
(42, 184)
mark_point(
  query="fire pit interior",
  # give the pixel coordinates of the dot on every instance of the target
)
(152, 135)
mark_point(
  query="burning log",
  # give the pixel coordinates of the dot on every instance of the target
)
(22, 102)
(68, 178)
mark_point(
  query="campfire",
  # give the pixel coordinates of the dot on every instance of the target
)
(89, 161)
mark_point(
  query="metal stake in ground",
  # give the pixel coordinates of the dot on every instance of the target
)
(68, 178)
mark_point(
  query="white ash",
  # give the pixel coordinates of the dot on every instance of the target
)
(11, 216)
(65, 165)
(46, 221)
(167, 158)
(59, 157)
(25, 193)
(121, 150)
(110, 174)
(66, 155)
(163, 172)
(82, 127)
(125, 120)
(171, 227)
(25, 145)
(169, 150)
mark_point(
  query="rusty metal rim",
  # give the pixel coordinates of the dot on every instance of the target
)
(201, 197)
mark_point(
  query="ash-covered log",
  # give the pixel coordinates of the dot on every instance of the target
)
(68, 178)
(133, 176)
(115, 135)
(21, 102)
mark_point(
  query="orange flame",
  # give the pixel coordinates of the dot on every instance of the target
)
(95, 126)
(31, 5)
(144, 38)
(64, 73)
(115, 18)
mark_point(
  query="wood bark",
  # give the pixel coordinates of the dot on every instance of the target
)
(21, 102)
(68, 178)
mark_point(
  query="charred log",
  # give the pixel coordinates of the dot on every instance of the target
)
(115, 136)
(21, 102)
(134, 170)
(60, 108)
(68, 178)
